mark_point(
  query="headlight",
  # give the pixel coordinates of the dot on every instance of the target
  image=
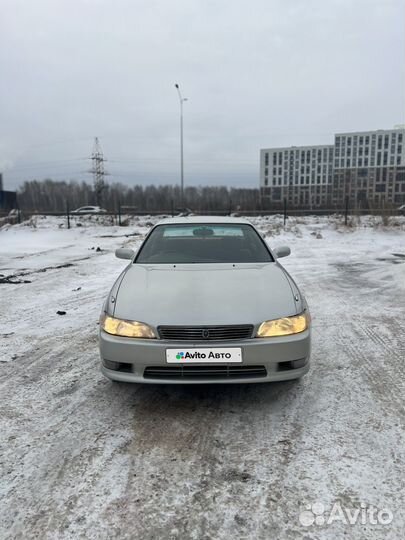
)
(285, 326)
(119, 327)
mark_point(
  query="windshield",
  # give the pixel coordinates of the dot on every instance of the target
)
(203, 243)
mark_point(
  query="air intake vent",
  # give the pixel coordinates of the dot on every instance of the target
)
(204, 372)
(206, 333)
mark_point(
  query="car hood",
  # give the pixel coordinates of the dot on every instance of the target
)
(204, 294)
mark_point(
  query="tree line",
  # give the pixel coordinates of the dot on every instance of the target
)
(56, 196)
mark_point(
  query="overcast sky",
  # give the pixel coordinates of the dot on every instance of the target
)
(257, 73)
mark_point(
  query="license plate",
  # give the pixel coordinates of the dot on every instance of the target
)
(206, 356)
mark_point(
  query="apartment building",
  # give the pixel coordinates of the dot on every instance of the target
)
(301, 175)
(367, 168)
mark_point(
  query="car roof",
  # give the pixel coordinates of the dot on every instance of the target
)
(186, 220)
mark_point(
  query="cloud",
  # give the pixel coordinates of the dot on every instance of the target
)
(257, 74)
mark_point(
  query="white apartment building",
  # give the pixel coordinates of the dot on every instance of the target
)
(299, 174)
(369, 168)
(366, 167)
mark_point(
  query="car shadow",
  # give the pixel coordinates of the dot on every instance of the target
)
(171, 416)
(167, 418)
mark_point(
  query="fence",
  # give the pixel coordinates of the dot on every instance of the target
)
(117, 217)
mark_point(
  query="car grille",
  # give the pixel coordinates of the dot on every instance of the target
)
(206, 333)
(204, 372)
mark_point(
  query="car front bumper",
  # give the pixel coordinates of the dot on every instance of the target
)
(282, 358)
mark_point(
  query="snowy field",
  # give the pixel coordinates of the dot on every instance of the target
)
(83, 458)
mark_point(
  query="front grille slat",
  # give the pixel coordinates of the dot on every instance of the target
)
(206, 333)
(204, 372)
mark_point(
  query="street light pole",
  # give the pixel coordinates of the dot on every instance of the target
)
(181, 100)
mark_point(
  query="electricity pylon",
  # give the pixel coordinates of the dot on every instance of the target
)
(97, 169)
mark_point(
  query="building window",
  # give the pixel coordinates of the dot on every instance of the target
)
(379, 142)
(266, 158)
(399, 137)
(399, 149)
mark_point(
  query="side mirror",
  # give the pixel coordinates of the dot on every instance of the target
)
(124, 253)
(282, 251)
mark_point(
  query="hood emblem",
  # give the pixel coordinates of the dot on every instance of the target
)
(205, 333)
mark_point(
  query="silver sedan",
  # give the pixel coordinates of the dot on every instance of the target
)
(204, 300)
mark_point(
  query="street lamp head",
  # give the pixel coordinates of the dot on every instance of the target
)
(176, 86)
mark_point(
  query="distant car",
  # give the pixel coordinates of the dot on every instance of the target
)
(89, 210)
(401, 209)
(182, 212)
(204, 300)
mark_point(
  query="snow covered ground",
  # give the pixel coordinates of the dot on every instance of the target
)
(83, 458)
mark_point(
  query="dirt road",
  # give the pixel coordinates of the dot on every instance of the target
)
(81, 457)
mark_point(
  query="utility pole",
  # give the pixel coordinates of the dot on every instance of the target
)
(98, 171)
(181, 100)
